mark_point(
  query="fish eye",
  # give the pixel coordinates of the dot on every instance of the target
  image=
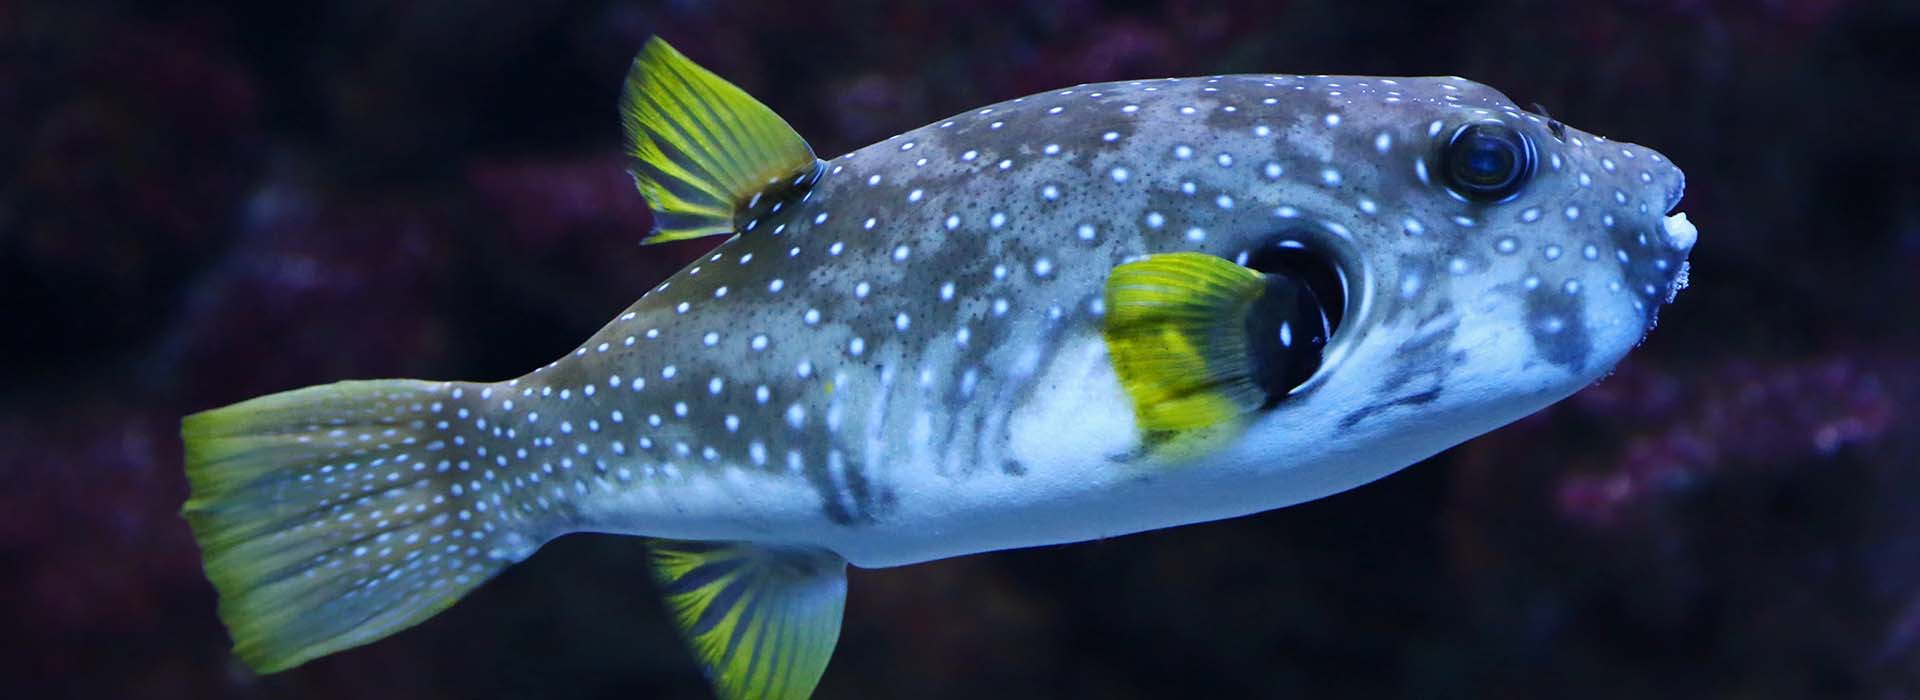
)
(1487, 161)
(1289, 324)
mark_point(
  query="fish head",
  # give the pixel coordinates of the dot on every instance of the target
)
(1477, 262)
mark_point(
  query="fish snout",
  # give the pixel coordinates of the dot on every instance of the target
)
(1667, 184)
(1664, 234)
(1663, 184)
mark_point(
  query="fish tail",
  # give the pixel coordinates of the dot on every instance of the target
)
(336, 515)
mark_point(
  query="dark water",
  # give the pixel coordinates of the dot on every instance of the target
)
(200, 203)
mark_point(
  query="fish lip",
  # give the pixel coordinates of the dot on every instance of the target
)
(1680, 232)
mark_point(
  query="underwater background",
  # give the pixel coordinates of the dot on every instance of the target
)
(201, 202)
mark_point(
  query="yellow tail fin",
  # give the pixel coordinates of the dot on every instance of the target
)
(335, 515)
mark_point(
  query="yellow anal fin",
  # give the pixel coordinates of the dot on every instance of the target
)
(703, 150)
(1176, 333)
(762, 619)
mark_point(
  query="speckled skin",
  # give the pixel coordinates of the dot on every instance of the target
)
(903, 361)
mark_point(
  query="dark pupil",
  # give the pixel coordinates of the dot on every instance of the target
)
(1287, 331)
(1487, 162)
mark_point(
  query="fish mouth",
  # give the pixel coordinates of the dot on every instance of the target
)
(1326, 260)
(1681, 233)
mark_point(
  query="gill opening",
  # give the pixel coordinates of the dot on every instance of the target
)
(1324, 259)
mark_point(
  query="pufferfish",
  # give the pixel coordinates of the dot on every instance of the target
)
(1074, 315)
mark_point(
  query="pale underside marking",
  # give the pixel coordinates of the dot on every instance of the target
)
(1078, 411)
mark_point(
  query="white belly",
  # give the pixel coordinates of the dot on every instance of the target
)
(1086, 479)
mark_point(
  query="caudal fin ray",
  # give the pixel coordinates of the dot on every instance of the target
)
(336, 515)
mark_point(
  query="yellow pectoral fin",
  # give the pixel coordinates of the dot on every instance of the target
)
(703, 150)
(1176, 332)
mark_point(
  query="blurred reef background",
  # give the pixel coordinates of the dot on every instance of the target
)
(201, 202)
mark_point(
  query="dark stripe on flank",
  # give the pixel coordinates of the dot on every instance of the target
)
(1364, 412)
(857, 490)
(822, 483)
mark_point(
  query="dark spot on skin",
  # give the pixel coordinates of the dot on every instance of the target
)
(1026, 127)
(1235, 94)
(1554, 323)
(862, 496)
(954, 431)
(1013, 467)
(1424, 355)
(1420, 399)
(835, 511)
(1417, 399)
(866, 510)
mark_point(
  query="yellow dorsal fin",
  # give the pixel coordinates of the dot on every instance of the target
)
(703, 150)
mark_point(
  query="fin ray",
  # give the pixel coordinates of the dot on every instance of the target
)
(324, 523)
(1176, 335)
(762, 619)
(714, 127)
(702, 148)
(702, 127)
